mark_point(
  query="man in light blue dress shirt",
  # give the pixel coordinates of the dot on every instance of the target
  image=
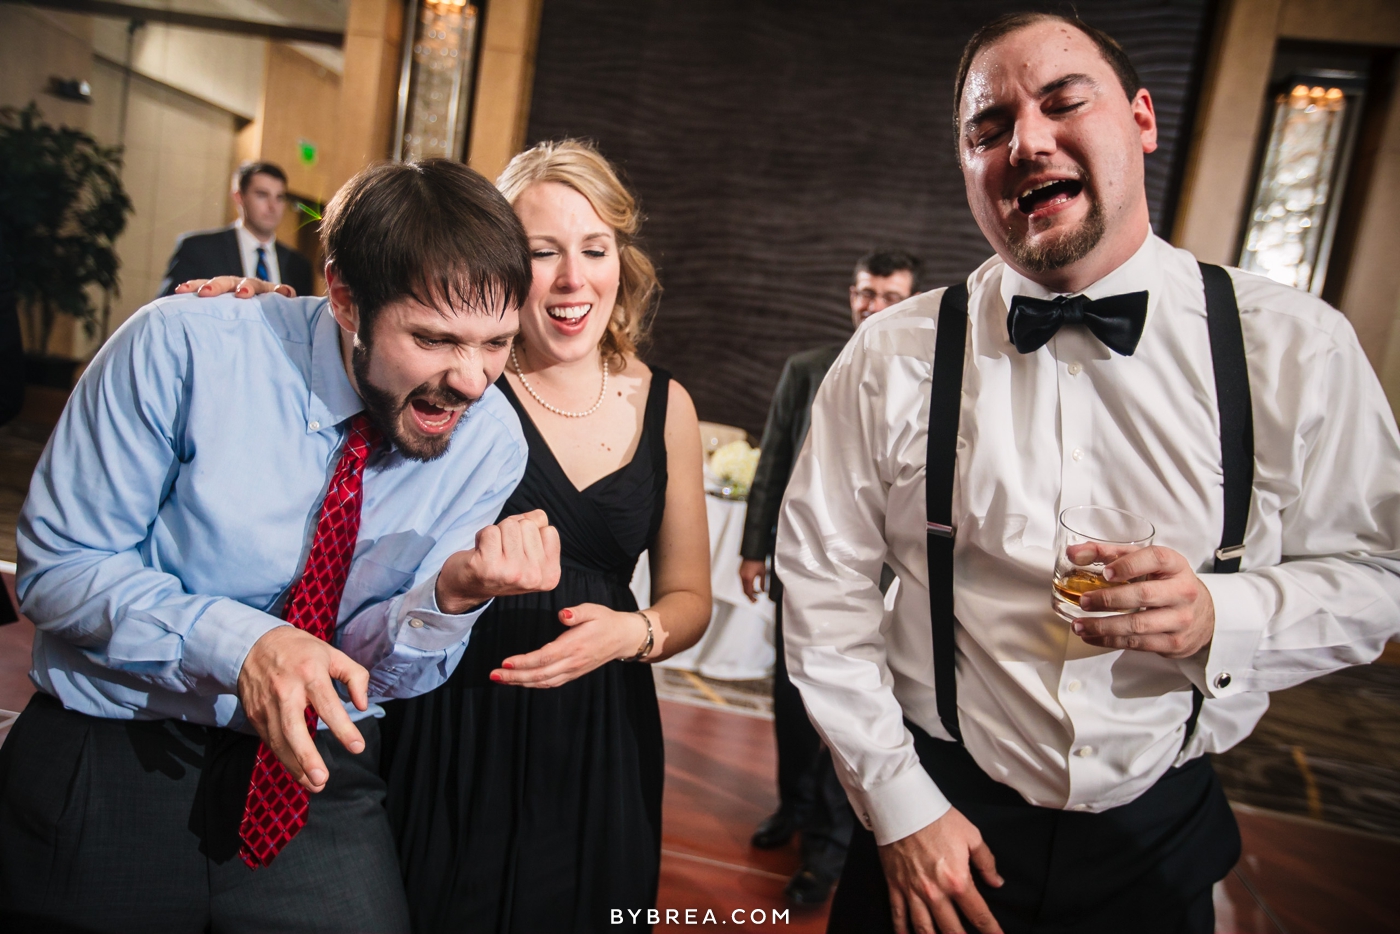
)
(170, 515)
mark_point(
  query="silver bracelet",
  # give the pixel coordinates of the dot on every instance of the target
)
(647, 646)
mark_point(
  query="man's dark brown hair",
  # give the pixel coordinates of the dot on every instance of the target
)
(889, 262)
(1008, 23)
(247, 170)
(431, 231)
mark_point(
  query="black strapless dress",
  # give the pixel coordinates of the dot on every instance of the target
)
(529, 810)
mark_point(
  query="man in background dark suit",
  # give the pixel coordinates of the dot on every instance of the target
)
(810, 796)
(248, 246)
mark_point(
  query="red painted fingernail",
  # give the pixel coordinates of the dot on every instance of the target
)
(495, 676)
(567, 614)
(507, 665)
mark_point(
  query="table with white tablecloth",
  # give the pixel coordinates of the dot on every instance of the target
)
(738, 646)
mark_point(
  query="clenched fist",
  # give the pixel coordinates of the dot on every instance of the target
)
(519, 554)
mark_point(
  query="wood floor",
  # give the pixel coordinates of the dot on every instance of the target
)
(720, 769)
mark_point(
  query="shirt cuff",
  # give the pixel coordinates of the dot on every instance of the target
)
(1240, 618)
(905, 804)
(219, 641)
(420, 624)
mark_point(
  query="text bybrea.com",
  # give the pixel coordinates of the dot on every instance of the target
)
(699, 916)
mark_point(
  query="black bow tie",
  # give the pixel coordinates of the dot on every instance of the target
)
(1116, 320)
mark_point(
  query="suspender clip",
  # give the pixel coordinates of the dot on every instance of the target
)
(1229, 554)
(942, 531)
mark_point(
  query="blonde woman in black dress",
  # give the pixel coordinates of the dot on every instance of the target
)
(526, 791)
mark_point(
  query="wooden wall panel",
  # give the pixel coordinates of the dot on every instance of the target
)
(774, 142)
(300, 103)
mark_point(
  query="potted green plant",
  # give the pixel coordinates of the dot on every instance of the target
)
(62, 207)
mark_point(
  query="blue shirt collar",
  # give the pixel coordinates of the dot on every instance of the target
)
(332, 398)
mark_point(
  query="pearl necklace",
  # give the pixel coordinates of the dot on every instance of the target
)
(536, 396)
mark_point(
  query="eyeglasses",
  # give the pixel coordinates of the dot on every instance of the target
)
(870, 295)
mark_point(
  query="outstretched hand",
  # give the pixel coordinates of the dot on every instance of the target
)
(240, 286)
(285, 671)
(1165, 608)
(929, 874)
(596, 636)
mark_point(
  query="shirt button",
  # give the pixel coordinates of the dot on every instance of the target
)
(1222, 680)
(1084, 752)
(1077, 454)
(1073, 687)
(314, 426)
(416, 623)
(1075, 369)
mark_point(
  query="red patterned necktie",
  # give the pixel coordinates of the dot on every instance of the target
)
(276, 808)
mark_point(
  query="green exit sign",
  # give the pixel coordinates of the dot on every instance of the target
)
(307, 152)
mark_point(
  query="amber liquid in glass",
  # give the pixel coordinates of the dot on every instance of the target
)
(1077, 583)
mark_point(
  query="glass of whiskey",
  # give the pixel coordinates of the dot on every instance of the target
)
(1087, 538)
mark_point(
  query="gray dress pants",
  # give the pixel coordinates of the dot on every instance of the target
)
(124, 826)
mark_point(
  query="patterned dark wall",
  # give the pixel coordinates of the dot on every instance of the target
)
(773, 142)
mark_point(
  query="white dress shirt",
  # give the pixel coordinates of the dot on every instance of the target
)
(248, 249)
(1066, 724)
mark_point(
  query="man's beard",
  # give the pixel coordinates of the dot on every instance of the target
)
(386, 410)
(1059, 252)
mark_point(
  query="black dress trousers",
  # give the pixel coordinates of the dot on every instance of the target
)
(125, 826)
(1145, 867)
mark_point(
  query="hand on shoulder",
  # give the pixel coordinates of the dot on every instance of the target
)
(238, 286)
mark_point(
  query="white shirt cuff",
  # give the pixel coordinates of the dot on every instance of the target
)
(905, 804)
(1240, 618)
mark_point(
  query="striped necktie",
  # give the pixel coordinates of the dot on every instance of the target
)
(260, 272)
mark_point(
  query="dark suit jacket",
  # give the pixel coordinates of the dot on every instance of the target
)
(789, 416)
(209, 253)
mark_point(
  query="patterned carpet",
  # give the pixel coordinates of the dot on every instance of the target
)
(1328, 749)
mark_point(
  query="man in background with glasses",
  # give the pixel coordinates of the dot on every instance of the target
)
(810, 797)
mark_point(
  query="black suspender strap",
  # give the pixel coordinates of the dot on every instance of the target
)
(1236, 431)
(1236, 413)
(944, 407)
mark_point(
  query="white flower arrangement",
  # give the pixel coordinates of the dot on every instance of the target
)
(734, 465)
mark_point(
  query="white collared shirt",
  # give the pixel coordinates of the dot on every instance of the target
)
(248, 250)
(1066, 724)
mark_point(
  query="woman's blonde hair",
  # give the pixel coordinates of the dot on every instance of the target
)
(577, 164)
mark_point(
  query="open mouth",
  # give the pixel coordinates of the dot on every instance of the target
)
(434, 419)
(1048, 194)
(570, 314)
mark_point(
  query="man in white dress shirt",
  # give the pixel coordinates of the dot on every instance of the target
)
(1057, 781)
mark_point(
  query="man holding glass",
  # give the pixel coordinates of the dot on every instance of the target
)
(1017, 768)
